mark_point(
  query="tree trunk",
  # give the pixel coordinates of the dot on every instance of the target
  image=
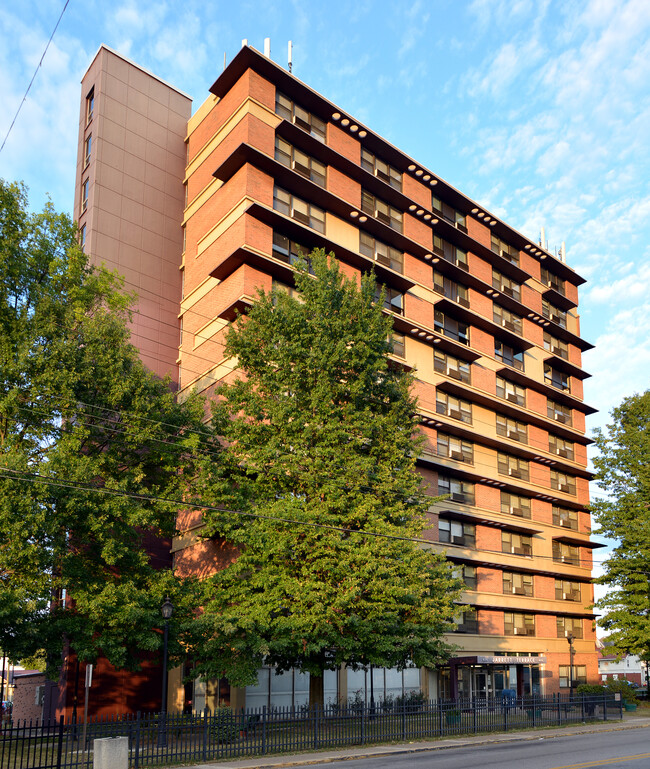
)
(316, 691)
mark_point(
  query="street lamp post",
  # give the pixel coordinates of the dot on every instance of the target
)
(166, 610)
(570, 639)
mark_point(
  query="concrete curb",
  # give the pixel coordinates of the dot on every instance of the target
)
(382, 751)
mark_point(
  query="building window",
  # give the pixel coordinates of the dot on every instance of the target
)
(518, 624)
(515, 467)
(505, 318)
(87, 149)
(553, 313)
(552, 281)
(563, 482)
(299, 161)
(286, 108)
(82, 238)
(579, 676)
(516, 544)
(558, 412)
(450, 327)
(458, 219)
(298, 209)
(449, 288)
(556, 346)
(466, 620)
(450, 253)
(380, 252)
(557, 379)
(566, 625)
(510, 391)
(399, 344)
(566, 590)
(517, 584)
(513, 504)
(370, 204)
(506, 285)
(561, 447)
(506, 251)
(288, 251)
(451, 367)
(85, 187)
(458, 491)
(277, 286)
(453, 407)
(90, 105)
(393, 299)
(455, 448)
(381, 169)
(566, 518)
(468, 575)
(456, 533)
(512, 429)
(563, 553)
(508, 355)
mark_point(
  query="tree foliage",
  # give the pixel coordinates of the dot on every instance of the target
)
(88, 440)
(623, 472)
(323, 429)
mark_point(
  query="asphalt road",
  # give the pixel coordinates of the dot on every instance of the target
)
(611, 750)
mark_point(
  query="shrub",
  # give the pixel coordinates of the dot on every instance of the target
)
(223, 725)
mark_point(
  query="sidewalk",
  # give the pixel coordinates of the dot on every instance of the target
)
(630, 721)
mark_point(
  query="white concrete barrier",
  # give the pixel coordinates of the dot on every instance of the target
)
(111, 753)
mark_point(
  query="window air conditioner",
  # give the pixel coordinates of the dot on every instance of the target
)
(518, 591)
(304, 170)
(453, 373)
(513, 435)
(564, 488)
(560, 417)
(382, 216)
(517, 631)
(514, 473)
(455, 414)
(457, 455)
(564, 596)
(516, 511)
(507, 290)
(563, 522)
(512, 397)
(508, 324)
(456, 497)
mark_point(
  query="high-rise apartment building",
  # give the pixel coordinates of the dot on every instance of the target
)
(485, 317)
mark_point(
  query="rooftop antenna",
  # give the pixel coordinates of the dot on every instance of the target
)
(267, 47)
(224, 60)
(542, 238)
(563, 251)
(290, 55)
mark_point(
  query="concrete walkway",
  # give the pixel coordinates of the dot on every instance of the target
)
(636, 720)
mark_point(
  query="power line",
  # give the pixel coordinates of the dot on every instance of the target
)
(66, 483)
(56, 26)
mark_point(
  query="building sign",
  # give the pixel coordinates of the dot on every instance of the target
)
(498, 660)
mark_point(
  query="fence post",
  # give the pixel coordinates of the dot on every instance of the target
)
(316, 725)
(605, 707)
(264, 730)
(59, 749)
(205, 734)
(404, 720)
(363, 726)
(474, 722)
(559, 711)
(137, 740)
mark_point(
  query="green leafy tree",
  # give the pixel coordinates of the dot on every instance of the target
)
(89, 443)
(324, 430)
(623, 472)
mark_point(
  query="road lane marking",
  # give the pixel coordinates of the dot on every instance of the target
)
(603, 761)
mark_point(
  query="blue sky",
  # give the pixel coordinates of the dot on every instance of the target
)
(538, 109)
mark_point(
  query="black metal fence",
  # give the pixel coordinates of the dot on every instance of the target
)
(178, 738)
